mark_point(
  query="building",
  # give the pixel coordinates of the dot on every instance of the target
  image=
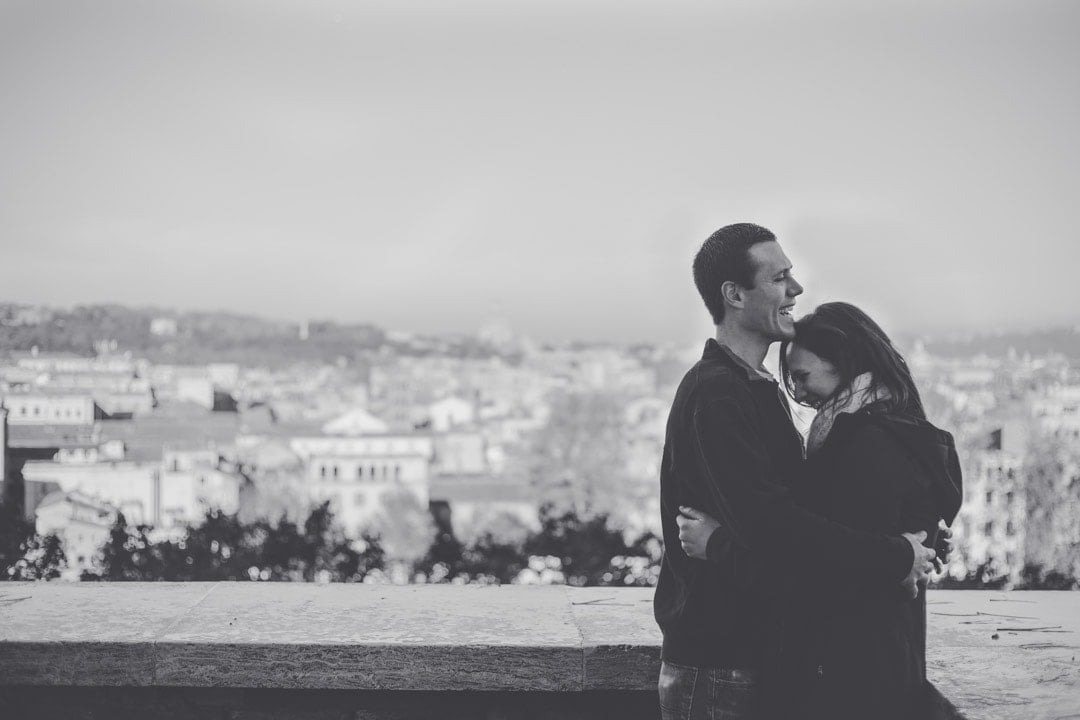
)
(474, 504)
(82, 523)
(4, 487)
(354, 473)
(41, 406)
(355, 422)
(167, 494)
(460, 453)
(450, 413)
(134, 488)
(990, 527)
(118, 394)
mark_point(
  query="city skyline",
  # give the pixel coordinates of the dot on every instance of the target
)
(553, 167)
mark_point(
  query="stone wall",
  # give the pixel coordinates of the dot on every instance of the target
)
(300, 651)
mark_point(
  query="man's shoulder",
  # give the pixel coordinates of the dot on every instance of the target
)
(709, 381)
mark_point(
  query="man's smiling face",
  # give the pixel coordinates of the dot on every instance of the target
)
(769, 305)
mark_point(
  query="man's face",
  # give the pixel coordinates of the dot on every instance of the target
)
(768, 307)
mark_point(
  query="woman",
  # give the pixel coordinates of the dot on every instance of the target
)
(873, 463)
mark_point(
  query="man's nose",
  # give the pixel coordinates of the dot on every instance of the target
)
(794, 288)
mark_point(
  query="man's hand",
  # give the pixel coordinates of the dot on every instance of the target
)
(695, 527)
(920, 566)
(943, 547)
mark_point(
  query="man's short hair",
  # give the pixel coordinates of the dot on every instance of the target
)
(726, 256)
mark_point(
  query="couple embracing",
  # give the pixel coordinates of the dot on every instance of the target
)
(792, 584)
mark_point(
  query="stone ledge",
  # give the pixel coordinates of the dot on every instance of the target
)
(337, 636)
(451, 641)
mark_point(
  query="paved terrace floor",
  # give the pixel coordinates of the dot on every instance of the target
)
(283, 650)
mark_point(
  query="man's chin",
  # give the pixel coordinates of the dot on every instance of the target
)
(783, 333)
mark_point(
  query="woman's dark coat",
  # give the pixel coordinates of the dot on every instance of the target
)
(859, 652)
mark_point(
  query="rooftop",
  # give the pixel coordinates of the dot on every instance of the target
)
(45, 436)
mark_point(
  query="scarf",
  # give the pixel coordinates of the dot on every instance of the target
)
(857, 396)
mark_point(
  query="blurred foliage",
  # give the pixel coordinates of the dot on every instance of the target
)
(566, 550)
(25, 555)
(223, 548)
(41, 558)
(1052, 492)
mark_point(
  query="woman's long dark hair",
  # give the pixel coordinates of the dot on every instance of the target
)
(849, 339)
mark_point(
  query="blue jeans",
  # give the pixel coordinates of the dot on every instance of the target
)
(689, 693)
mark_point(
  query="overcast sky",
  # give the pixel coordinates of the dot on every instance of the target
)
(555, 168)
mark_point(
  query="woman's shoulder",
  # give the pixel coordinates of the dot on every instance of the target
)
(862, 427)
(869, 437)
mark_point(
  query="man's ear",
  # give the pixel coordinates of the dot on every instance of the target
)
(732, 294)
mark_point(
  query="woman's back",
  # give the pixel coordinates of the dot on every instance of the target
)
(861, 652)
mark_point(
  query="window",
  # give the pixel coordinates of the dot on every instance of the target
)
(1010, 529)
(989, 497)
(360, 472)
(1009, 497)
(322, 471)
(335, 471)
(397, 472)
(988, 528)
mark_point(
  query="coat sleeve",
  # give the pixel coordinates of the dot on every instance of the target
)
(760, 513)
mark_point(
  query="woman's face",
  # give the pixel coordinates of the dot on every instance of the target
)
(813, 378)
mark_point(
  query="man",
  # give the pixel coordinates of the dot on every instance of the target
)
(730, 449)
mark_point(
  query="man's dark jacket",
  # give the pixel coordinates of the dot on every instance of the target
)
(731, 450)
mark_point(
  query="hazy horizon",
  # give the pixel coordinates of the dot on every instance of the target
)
(553, 167)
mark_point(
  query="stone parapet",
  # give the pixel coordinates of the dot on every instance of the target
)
(292, 650)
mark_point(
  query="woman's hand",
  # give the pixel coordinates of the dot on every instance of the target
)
(695, 528)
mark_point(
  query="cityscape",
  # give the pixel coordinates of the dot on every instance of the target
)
(147, 444)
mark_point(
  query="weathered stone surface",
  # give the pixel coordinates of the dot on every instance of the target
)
(1031, 669)
(620, 638)
(37, 703)
(226, 649)
(374, 637)
(87, 633)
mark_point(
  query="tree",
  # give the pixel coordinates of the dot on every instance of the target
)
(405, 527)
(493, 560)
(576, 462)
(42, 558)
(584, 547)
(128, 554)
(15, 532)
(222, 547)
(1052, 474)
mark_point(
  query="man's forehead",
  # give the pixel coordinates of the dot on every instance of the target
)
(770, 257)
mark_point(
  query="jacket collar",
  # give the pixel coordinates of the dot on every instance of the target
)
(718, 351)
